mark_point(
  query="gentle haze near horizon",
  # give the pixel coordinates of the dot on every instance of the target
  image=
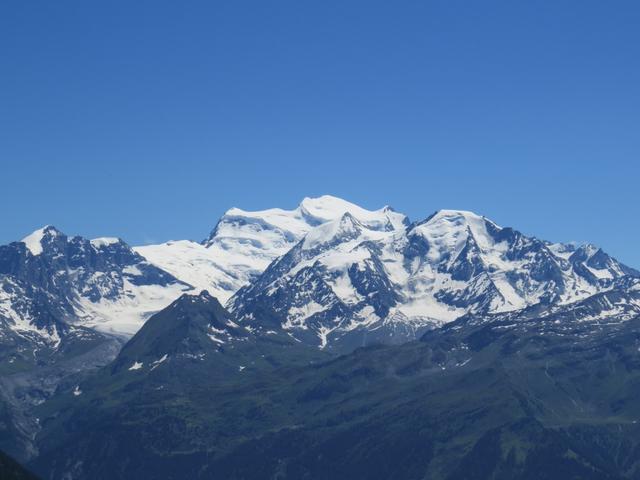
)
(147, 120)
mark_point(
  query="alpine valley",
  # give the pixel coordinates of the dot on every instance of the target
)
(324, 342)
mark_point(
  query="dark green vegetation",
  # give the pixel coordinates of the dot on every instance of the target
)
(540, 394)
(12, 470)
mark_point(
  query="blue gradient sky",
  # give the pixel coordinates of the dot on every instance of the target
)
(147, 120)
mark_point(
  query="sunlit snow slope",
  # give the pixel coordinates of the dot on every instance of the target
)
(357, 281)
(244, 243)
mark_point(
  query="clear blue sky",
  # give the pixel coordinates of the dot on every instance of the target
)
(148, 119)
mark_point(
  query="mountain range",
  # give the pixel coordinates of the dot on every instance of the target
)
(315, 339)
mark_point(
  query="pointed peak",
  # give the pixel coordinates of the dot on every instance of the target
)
(204, 295)
(348, 219)
(588, 249)
(33, 241)
(47, 230)
(349, 225)
(581, 252)
(191, 324)
(345, 228)
(202, 298)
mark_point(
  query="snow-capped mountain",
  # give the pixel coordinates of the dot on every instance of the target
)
(51, 284)
(244, 243)
(62, 299)
(351, 281)
(327, 272)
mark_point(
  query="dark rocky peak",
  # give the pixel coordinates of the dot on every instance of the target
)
(468, 263)
(190, 326)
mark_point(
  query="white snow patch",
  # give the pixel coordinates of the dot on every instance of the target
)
(33, 241)
(201, 267)
(323, 333)
(158, 362)
(298, 314)
(602, 274)
(104, 241)
(216, 339)
(128, 312)
(136, 366)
